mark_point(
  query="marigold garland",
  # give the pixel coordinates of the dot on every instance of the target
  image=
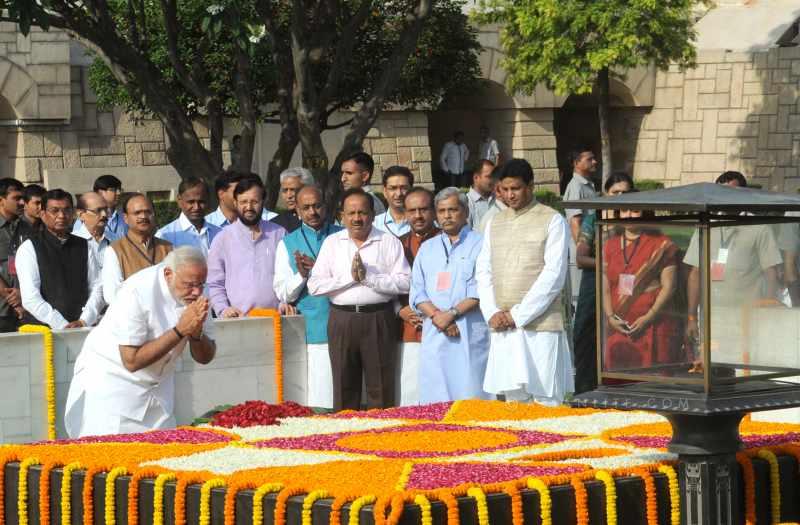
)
(280, 503)
(49, 374)
(516, 504)
(22, 489)
(398, 504)
(450, 501)
(232, 491)
(674, 494)
(611, 495)
(88, 494)
(335, 517)
(110, 504)
(355, 508)
(424, 509)
(749, 488)
(182, 484)
(774, 484)
(651, 497)
(308, 503)
(277, 344)
(545, 503)
(133, 493)
(258, 500)
(44, 490)
(158, 497)
(480, 504)
(66, 492)
(581, 500)
(205, 499)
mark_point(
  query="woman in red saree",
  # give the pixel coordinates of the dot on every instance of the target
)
(638, 285)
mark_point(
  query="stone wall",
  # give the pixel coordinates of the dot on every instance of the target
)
(243, 369)
(734, 111)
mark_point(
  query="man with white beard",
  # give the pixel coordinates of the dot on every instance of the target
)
(124, 377)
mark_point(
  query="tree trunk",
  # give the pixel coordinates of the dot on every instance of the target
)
(247, 111)
(603, 118)
(287, 143)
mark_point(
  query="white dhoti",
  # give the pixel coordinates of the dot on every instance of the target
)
(406, 390)
(320, 377)
(526, 365)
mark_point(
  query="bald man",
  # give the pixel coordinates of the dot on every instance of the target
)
(137, 249)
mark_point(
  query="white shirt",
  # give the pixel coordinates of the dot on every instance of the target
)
(181, 232)
(288, 284)
(217, 218)
(489, 150)
(97, 248)
(30, 282)
(145, 310)
(453, 157)
(388, 273)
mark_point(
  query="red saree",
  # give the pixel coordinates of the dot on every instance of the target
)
(660, 341)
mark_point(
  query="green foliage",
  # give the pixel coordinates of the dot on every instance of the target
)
(549, 198)
(566, 43)
(444, 63)
(166, 212)
(649, 184)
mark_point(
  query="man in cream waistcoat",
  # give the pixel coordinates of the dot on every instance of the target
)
(521, 271)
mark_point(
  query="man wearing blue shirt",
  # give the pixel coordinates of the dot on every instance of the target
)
(191, 228)
(295, 258)
(397, 181)
(455, 338)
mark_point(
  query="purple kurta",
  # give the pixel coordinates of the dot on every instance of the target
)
(241, 269)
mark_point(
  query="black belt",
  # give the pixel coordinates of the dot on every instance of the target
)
(361, 308)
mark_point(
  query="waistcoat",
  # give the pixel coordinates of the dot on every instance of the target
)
(63, 269)
(134, 257)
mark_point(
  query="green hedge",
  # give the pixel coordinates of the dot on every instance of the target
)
(649, 184)
(166, 212)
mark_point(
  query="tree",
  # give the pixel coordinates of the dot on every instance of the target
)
(292, 62)
(573, 46)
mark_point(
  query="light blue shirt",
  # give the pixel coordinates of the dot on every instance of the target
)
(450, 368)
(386, 223)
(115, 227)
(181, 232)
(218, 219)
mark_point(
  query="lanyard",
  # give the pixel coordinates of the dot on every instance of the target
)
(446, 253)
(385, 215)
(325, 234)
(151, 259)
(625, 249)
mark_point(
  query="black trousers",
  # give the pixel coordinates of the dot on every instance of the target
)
(363, 344)
(585, 335)
(9, 324)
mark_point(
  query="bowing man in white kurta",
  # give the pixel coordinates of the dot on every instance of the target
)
(124, 376)
(521, 271)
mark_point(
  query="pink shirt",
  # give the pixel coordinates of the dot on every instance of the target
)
(388, 273)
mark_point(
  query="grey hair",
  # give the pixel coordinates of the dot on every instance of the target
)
(452, 192)
(182, 256)
(303, 174)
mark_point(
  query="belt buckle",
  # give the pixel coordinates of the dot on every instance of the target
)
(359, 308)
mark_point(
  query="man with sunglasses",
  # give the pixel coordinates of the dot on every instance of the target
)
(59, 281)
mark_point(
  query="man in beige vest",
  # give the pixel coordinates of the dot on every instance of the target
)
(521, 272)
(138, 249)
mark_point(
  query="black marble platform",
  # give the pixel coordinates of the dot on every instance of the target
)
(630, 502)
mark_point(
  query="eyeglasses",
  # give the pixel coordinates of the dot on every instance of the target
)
(98, 211)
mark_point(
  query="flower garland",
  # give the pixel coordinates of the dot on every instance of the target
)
(133, 494)
(49, 374)
(611, 495)
(66, 492)
(355, 508)
(88, 494)
(480, 503)
(158, 497)
(205, 499)
(277, 344)
(110, 503)
(258, 500)
(774, 483)
(674, 494)
(280, 503)
(22, 489)
(447, 497)
(402, 481)
(545, 502)
(516, 504)
(581, 500)
(230, 500)
(379, 510)
(335, 517)
(308, 503)
(44, 490)
(424, 509)
(749, 488)
(651, 497)
(182, 484)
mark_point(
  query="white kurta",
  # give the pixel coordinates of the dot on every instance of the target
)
(104, 397)
(534, 362)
